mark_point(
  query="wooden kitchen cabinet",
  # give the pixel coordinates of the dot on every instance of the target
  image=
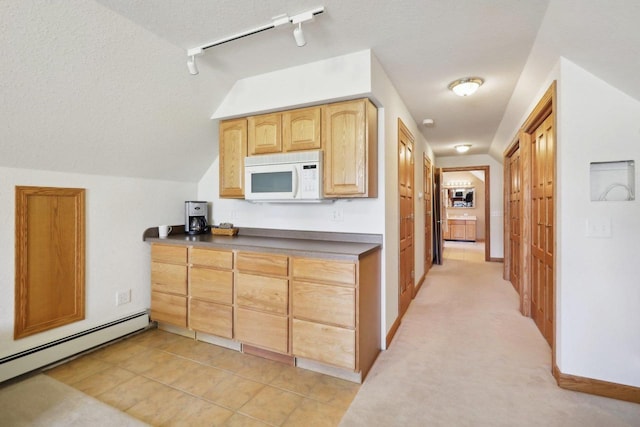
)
(335, 311)
(301, 129)
(461, 229)
(262, 300)
(264, 134)
(169, 284)
(211, 291)
(349, 138)
(233, 150)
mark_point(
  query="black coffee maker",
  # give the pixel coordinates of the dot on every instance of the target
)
(195, 217)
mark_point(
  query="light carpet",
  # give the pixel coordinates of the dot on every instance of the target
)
(465, 356)
(43, 401)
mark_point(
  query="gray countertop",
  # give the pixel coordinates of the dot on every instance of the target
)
(308, 244)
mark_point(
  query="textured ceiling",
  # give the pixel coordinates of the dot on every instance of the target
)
(102, 86)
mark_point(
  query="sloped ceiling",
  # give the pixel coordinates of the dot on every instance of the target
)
(102, 86)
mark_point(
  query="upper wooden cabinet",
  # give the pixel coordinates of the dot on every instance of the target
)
(345, 131)
(349, 138)
(301, 129)
(265, 134)
(233, 150)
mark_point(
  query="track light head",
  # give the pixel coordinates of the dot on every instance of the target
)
(191, 65)
(299, 35)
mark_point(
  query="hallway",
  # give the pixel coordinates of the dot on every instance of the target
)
(464, 356)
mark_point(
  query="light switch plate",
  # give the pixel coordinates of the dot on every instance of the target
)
(598, 227)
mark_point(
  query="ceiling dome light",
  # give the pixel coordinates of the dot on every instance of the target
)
(466, 86)
(462, 148)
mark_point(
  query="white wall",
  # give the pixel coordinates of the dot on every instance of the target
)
(118, 210)
(598, 285)
(495, 197)
(378, 215)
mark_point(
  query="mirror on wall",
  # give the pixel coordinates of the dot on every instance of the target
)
(461, 197)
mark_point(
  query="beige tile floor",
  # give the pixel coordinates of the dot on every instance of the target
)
(165, 379)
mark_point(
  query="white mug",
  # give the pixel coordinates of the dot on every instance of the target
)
(164, 230)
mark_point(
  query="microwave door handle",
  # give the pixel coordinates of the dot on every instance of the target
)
(295, 182)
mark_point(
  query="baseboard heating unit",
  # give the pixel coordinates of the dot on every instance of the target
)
(46, 354)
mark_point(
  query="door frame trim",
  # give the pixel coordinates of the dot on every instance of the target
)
(487, 208)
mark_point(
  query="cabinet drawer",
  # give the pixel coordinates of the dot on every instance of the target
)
(262, 329)
(324, 270)
(324, 303)
(169, 278)
(263, 263)
(327, 344)
(262, 293)
(457, 222)
(211, 318)
(169, 308)
(209, 284)
(165, 253)
(211, 258)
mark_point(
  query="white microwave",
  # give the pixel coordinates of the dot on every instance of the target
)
(288, 177)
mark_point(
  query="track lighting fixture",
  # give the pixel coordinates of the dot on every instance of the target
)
(191, 64)
(276, 21)
(299, 35)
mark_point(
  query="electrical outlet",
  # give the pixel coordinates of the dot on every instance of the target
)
(337, 215)
(123, 297)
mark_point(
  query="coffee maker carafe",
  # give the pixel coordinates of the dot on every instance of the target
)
(195, 217)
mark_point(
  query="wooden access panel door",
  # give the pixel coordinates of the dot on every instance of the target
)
(405, 181)
(233, 150)
(542, 223)
(265, 134)
(301, 129)
(50, 258)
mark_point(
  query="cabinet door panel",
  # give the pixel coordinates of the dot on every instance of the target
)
(169, 309)
(233, 150)
(265, 134)
(211, 258)
(262, 263)
(172, 254)
(213, 285)
(327, 344)
(262, 329)
(325, 270)
(324, 303)
(262, 293)
(470, 230)
(301, 129)
(211, 318)
(458, 231)
(170, 278)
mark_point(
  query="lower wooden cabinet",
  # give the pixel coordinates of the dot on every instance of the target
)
(211, 318)
(460, 229)
(169, 308)
(324, 343)
(169, 284)
(322, 310)
(336, 311)
(269, 331)
(211, 291)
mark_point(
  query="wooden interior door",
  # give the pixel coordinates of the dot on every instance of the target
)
(542, 223)
(428, 214)
(405, 180)
(515, 214)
